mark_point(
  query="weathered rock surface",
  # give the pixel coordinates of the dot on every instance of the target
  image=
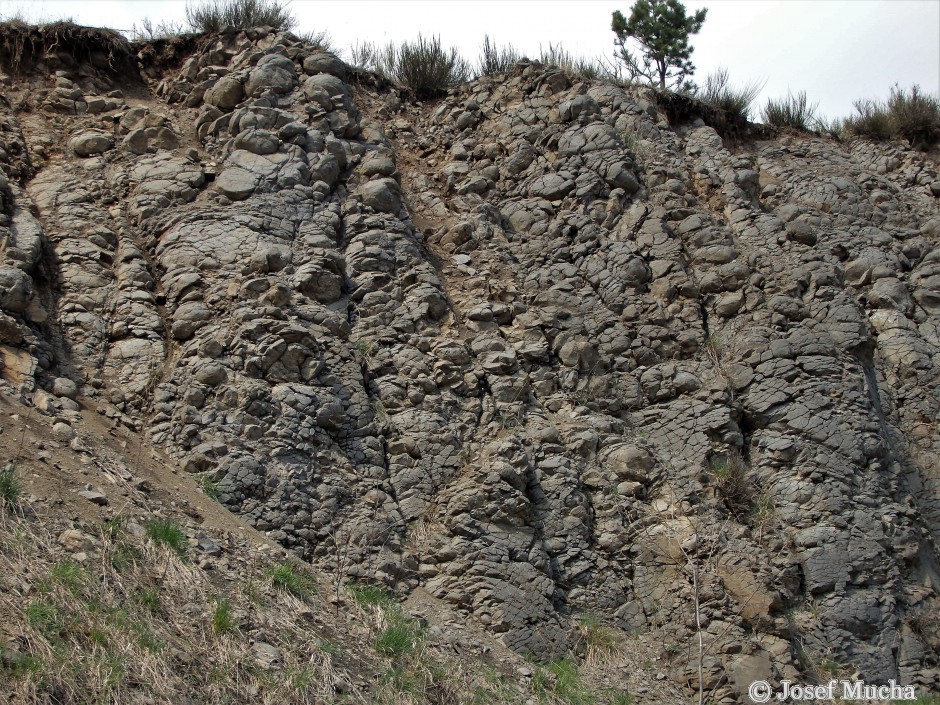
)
(531, 348)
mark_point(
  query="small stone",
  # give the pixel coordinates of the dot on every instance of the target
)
(74, 540)
(99, 498)
(209, 547)
(266, 655)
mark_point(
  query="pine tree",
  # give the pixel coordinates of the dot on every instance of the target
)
(662, 29)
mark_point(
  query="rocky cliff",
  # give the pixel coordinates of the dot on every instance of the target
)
(534, 349)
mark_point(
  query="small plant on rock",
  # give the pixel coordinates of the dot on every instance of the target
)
(729, 476)
(210, 488)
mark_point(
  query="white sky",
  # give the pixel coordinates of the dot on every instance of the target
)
(835, 50)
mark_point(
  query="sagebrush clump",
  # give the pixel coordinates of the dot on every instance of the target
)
(427, 68)
(793, 111)
(495, 60)
(215, 15)
(909, 114)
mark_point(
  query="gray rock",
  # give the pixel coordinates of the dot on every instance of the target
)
(88, 144)
(16, 289)
(382, 195)
(551, 187)
(324, 62)
(277, 75)
(99, 498)
(238, 184)
(64, 387)
(163, 138)
(136, 141)
(257, 141)
(226, 94)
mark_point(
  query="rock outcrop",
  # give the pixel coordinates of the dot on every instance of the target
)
(531, 348)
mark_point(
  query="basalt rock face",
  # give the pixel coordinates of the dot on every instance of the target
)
(530, 347)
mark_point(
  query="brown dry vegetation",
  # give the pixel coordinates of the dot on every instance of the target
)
(22, 45)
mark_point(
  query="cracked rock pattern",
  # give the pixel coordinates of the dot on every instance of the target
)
(530, 347)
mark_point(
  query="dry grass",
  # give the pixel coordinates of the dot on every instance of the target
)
(135, 620)
(608, 651)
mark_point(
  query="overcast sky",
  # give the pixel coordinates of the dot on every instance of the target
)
(835, 50)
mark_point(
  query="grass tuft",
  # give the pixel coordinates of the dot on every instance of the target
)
(293, 580)
(317, 40)
(596, 635)
(576, 67)
(562, 680)
(223, 619)
(793, 111)
(729, 476)
(166, 533)
(401, 636)
(150, 31)
(10, 487)
(736, 102)
(371, 596)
